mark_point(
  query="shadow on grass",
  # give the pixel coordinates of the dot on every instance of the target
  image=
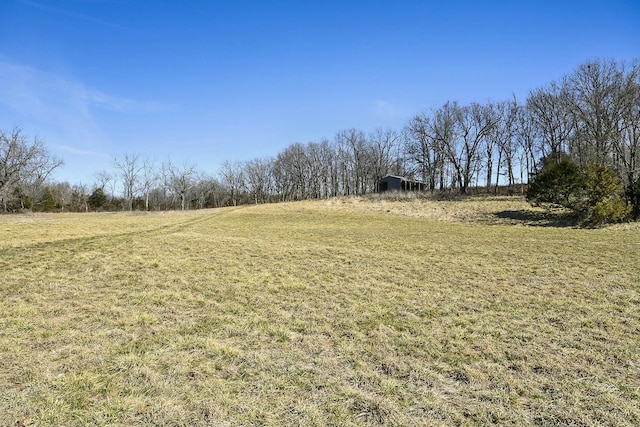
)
(539, 219)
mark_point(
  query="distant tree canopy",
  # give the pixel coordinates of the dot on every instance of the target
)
(588, 117)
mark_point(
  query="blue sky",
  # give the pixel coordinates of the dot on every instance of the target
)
(208, 81)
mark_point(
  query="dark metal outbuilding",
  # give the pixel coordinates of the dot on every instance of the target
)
(399, 183)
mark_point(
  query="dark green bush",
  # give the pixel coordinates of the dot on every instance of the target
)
(97, 199)
(559, 183)
(633, 196)
(593, 193)
(603, 190)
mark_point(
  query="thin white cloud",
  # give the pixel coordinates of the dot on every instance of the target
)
(45, 100)
(71, 14)
(385, 109)
(122, 105)
(34, 92)
(66, 113)
(81, 152)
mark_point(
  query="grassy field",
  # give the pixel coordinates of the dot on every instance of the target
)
(343, 312)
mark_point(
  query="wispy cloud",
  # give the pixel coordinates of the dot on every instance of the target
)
(65, 112)
(122, 105)
(44, 98)
(34, 92)
(385, 109)
(72, 14)
(82, 152)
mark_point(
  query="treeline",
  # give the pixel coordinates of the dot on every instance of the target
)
(591, 116)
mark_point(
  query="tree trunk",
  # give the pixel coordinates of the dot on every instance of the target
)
(495, 190)
(490, 170)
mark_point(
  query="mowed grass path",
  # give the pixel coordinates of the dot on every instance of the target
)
(315, 314)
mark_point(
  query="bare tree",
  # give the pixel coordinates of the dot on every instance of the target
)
(593, 99)
(80, 197)
(324, 155)
(130, 169)
(282, 182)
(23, 162)
(291, 172)
(353, 155)
(233, 177)
(62, 193)
(383, 145)
(164, 182)
(444, 132)
(628, 146)
(461, 131)
(549, 110)
(148, 179)
(207, 191)
(526, 133)
(182, 180)
(258, 179)
(506, 114)
(107, 182)
(317, 170)
(422, 149)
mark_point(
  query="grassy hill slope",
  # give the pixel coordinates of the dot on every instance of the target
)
(340, 312)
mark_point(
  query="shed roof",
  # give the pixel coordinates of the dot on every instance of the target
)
(402, 178)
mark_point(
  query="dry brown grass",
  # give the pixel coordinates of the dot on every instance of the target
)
(496, 210)
(319, 313)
